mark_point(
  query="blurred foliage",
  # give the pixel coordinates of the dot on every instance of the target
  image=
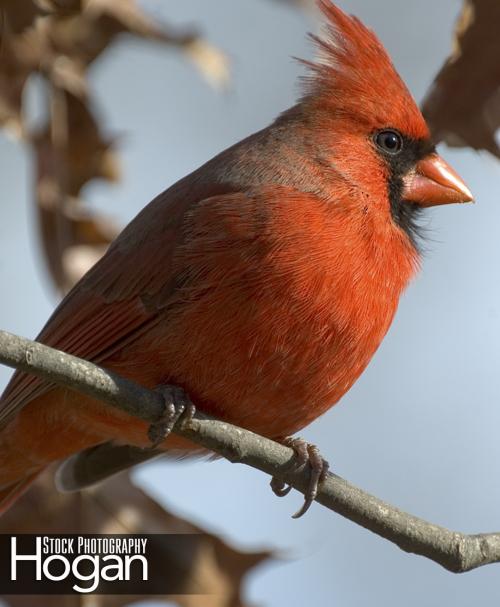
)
(58, 40)
(463, 105)
(214, 568)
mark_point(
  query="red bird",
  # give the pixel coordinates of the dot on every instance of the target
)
(262, 283)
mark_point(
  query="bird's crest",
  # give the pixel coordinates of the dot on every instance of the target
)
(353, 74)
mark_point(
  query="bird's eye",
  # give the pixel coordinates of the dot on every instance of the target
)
(389, 141)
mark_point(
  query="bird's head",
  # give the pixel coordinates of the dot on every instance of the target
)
(369, 124)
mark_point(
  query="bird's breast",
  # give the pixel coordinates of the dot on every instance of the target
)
(283, 310)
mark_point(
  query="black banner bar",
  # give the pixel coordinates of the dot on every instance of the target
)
(98, 564)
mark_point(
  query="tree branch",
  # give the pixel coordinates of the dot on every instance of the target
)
(455, 551)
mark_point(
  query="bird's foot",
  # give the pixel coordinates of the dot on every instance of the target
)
(177, 405)
(305, 453)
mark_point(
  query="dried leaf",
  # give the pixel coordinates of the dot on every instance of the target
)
(69, 74)
(463, 104)
(17, 15)
(18, 58)
(12, 82)
(112, 17)
(60, 7)
(59, 39)
(210, 61)
(74, 150)
(118, 506)
(68, 157)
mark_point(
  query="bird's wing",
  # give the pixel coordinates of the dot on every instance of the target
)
(119, 298)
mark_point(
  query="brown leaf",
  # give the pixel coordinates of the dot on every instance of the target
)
(463, 104)
(210, 61)
(73, 240)
(69, 153)
(60, 7)
(214, 568)
(82, 37)
(59, 39)
(12, 82)
(72, 147)
(17, 15)
(19, 55)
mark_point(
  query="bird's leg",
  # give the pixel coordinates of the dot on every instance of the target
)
(305, 453)
(177, 405)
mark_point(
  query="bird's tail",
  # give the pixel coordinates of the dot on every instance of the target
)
(10, 493)
(98, 463)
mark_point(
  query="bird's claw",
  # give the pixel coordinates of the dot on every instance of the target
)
(177, 405)
(305, 453)
(279, 487)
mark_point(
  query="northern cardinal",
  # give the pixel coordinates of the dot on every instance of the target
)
(263, 282)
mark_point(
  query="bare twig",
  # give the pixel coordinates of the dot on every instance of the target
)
(455, 551)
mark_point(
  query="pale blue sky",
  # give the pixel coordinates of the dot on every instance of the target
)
(420, 427)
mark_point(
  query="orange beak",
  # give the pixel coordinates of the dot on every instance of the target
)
(434, 182)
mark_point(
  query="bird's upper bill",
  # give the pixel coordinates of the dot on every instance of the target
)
(434, 182)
